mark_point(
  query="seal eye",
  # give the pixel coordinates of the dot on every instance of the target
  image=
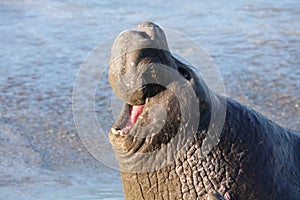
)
(184, 73)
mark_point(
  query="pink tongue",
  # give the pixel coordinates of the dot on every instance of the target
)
(135, 112)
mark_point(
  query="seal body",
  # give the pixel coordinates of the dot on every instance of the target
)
(254, 158)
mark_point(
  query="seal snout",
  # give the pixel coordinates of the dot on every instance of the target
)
(146, 35)
(133, 53)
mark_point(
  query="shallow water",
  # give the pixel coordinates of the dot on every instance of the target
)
(255, 44)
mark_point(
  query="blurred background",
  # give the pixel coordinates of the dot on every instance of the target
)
(255, 44)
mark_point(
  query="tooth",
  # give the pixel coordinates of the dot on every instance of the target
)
(122, 133)
(114, 131)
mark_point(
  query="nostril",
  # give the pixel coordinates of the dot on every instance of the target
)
(151, 29)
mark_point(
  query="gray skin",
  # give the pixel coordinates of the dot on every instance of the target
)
(254, 157)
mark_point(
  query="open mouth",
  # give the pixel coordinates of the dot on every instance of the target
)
(141, 115)
(130, 115)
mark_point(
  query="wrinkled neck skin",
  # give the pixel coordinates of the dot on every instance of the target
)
(254, 158)
(245, 164)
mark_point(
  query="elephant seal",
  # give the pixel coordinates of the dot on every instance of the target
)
(254, 158)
